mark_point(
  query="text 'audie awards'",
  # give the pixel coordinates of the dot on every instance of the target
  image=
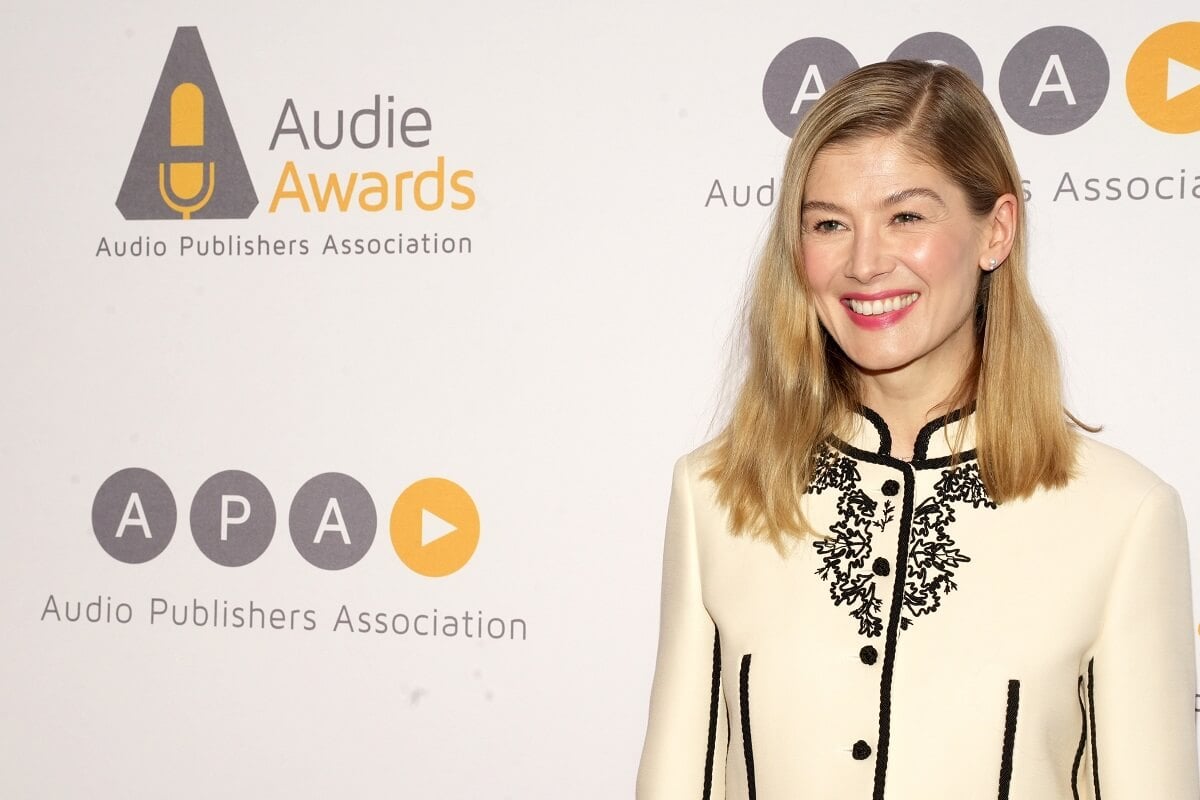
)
(372, 190)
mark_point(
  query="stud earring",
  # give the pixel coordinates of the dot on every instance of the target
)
(991, 264)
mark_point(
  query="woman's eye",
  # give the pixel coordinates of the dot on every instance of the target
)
(905, 217)
(826, 226)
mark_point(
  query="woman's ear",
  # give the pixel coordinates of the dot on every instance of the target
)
(1000, 229)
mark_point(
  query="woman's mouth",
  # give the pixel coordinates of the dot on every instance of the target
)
(873, 308)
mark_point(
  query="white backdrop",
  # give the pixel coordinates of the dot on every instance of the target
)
(554, 372)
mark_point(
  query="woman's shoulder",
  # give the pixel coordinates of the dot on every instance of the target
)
(692, 476)
(1098, 459)
(694, 466)
(1102, 467)
(702, 457)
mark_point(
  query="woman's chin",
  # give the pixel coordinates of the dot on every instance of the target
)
(879, 363)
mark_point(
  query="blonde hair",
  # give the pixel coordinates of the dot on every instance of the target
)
(799, 389)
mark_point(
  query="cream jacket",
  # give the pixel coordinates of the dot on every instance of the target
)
(934, 646)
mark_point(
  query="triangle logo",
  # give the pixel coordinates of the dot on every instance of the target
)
(187, 163)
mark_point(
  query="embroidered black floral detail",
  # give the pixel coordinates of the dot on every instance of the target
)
(833, 471)
(845, 557)
(933, 556)
(963, 485)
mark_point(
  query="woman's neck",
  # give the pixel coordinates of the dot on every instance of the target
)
(907, 405)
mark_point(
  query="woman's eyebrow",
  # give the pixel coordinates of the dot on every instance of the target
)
(821, 205)
(895, 198)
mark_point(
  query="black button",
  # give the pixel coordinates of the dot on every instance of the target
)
(862, 750)
(868, 654)
(890, 488)
(881, 566)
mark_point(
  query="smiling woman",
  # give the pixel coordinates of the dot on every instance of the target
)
(901, 570)
(890, 251)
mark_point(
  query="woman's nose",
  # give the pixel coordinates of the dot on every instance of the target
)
(868, 258)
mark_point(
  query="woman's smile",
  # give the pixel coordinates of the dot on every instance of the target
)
(880, 309)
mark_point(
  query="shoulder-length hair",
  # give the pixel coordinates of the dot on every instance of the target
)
(799, 389)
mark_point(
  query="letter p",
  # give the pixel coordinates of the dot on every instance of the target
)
(228, 501)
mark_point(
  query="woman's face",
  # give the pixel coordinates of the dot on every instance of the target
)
(893, 257)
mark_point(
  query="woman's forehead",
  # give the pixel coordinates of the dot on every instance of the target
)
(863, 163)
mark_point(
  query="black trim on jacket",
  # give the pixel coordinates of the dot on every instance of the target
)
(712, 716)
(747, 747)
(893, 633)
(1083, 732)
(1010, 736)
(1091, 683)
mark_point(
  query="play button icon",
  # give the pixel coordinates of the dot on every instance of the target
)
(435, 527)
(1180, 78)
(1163, 80)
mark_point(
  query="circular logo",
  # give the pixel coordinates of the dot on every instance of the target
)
(1054, 80)
(1163, 79)
(435, 527)
(233, 518)
(133, 515)
(799, 75)
(332, 521)
(941, 48)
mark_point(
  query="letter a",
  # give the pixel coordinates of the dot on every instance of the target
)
(811, 88)
(332, 520)
(1053, 65)
(134, 515)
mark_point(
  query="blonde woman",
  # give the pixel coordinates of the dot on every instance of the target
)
(901, 571)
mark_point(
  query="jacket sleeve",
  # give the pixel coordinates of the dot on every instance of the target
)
(684, 753)
(1141, 681)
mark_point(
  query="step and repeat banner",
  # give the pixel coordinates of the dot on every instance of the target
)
(348, 349)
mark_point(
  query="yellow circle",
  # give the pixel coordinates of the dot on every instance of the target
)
(1163, 79)
(435, 527)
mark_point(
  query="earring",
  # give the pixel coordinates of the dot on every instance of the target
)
(991, 264)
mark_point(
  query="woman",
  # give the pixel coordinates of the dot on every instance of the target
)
(899, 572)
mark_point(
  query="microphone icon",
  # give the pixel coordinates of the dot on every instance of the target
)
(186, 178)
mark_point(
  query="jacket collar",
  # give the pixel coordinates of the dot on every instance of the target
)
(870, 438)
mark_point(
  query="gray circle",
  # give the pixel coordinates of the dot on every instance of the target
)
(233, 518)
(1054, 80)
(798, 75)
(941, 48)
(133, 515)
(332, 521)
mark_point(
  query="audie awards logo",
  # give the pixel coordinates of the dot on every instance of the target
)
(187, 163)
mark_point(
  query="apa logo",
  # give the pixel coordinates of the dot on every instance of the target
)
(1052, 81)
(187, 163)
(434, 525)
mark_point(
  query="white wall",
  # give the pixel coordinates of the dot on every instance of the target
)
(554, 372)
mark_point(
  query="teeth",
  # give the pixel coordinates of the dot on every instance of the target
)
(871, 308)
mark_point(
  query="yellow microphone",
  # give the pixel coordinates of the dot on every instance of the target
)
(186, 179)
